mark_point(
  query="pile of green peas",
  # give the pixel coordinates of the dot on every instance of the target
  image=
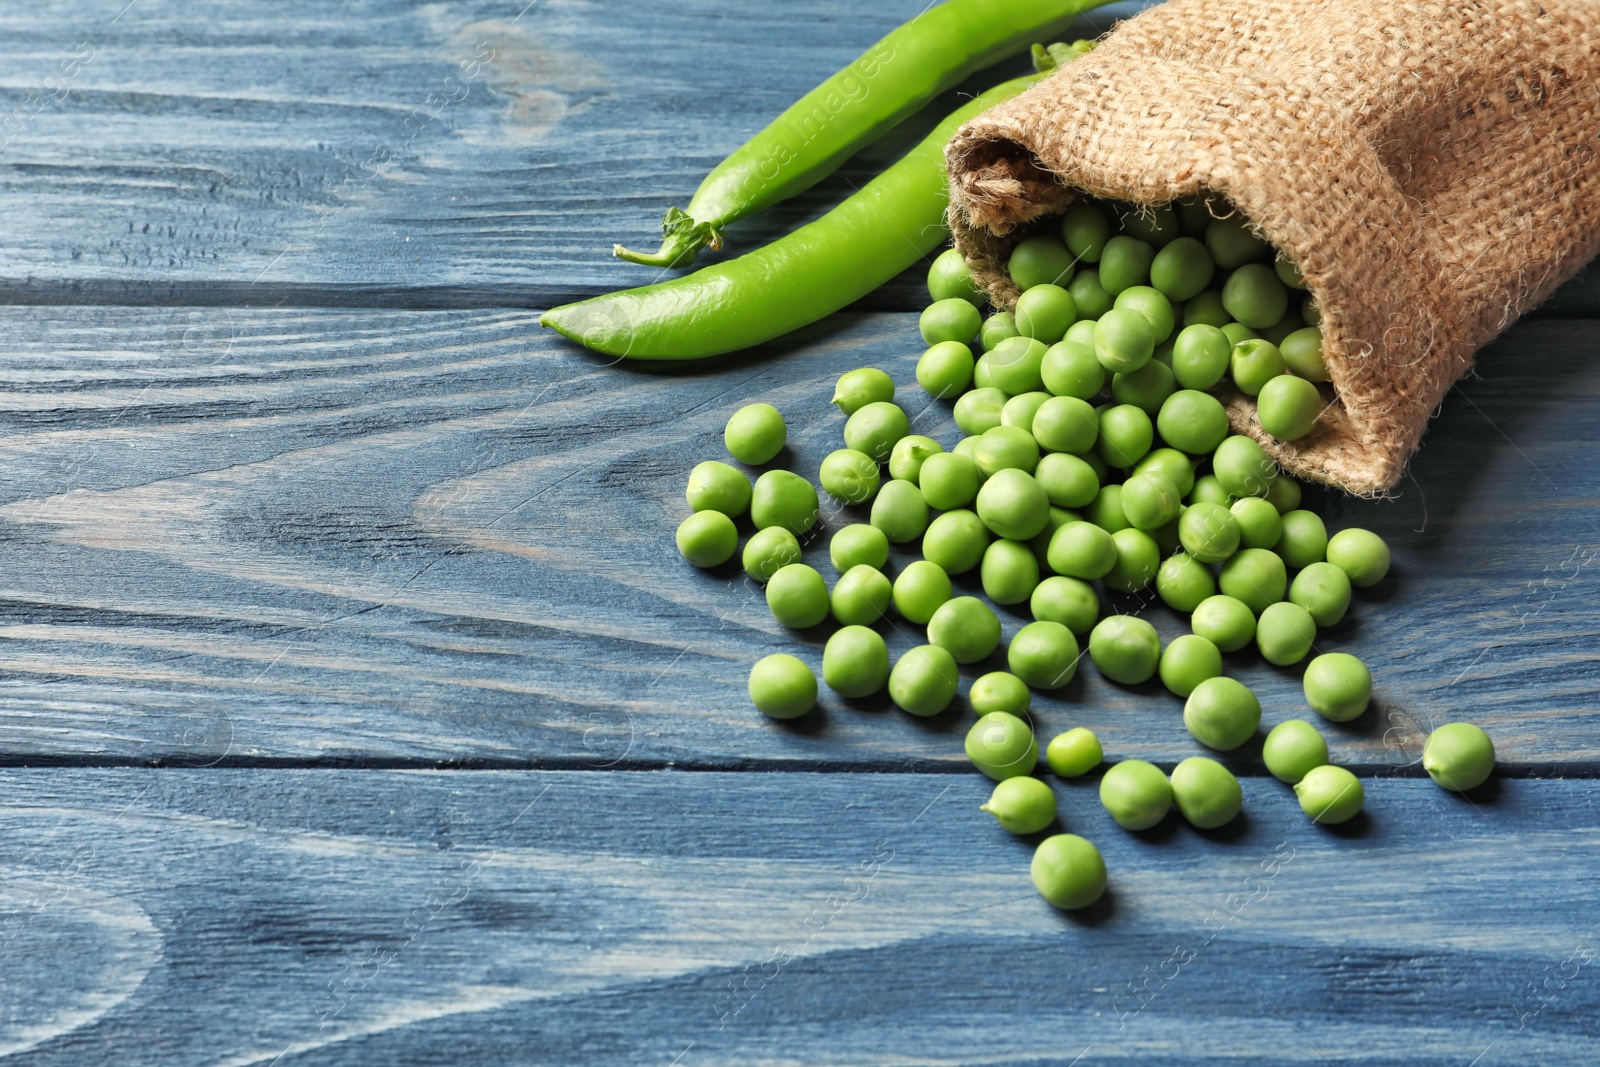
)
(1097, 459)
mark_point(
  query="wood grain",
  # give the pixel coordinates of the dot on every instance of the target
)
(322, 917)
(249, 535)
(399, 153)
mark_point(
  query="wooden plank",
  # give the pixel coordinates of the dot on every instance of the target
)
(282, 151)
(394, 152)
(258, 535)
(321, 917)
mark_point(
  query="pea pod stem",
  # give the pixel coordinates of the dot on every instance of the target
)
(899, 74)
(886, 226)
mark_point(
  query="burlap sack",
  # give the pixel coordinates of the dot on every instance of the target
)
(1430, 165)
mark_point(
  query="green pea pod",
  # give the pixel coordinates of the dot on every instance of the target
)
(890, 223)
(889, 81)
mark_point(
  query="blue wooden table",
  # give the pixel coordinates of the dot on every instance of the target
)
(354, 707)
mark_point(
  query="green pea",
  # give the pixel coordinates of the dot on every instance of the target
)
(983, 373)
(1074, 753)
(1302, 352)
(1304, 539)
(1206, 792)
(769, 549)
(1044, 655)
(1006, 448)
(1039, 260)
(1260, 525)
(1330, 794)
(1153, 305)
(1208, 490)
(1010, 572)
(1106, 510)
(1184, 583)
(1193, 421)
(1243, 467)
(1288, 273)
(1123, 340)
(1081, 550)
(1338, 686)
(782, 687)
(707, 538)
(1068, 871)
(923, 681)
(1085, 229)
(1209, 532)
(1020, 410)
(1012, 504)
(1231, 243)
(955, 541)
(1000, 691)
(1284, 494)
(1288, 406)
(715, 486)
(1138, 557)
(1238, 333)
(1002, 746)
(1293, 749)
(1044, 312)
(949, 481)
(1071, 602)
(1182, 269)
(1067, 480)
(945, 369)
(1458, 756)
(1015, 365)
(900, 512)
(855, 662)
(1146, 388)
(1170, 464)
(1089, 297)
(1255, 577)
(755, 434)
(1254, 296)
(1361, 554)
(950, 278)
(849, 476)
(797, 596)
(1022, 805)
(860, 597)
(908, 456)
(1278, 331)
(860, 387)
(1285, 633)
(1311, 312)
(1136, 794)
(1125, 649)
(1222, 713)
(1225, 622)
(965, 627)
(1125, 263)
(875, 427)
(997, 328)
(1205, 309)
(1126, 434)
(1070, 367)
(979, 410)
(919, 590)
(1253, 363)
(858, 545)
(953, 319)
(1066, 424)
(1156, 224)
(1149, 501)
(1188, 661)
(1324, 591)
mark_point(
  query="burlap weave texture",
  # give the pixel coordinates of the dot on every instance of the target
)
(1430, 165)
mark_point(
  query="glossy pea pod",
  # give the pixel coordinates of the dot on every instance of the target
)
(889, 81)
(893, 221)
